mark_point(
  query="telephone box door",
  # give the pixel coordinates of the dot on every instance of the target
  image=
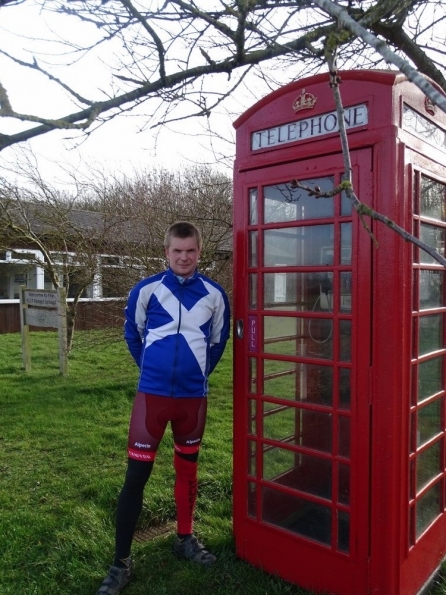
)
(302, 347)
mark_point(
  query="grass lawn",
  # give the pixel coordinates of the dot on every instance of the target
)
(62, 463)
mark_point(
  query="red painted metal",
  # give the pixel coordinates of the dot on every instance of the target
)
(329, 493)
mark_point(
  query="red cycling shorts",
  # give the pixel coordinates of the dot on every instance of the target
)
(150, 415)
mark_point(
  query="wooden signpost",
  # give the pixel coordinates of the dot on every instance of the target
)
(47, 309)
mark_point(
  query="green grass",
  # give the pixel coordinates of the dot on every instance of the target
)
(62, 463)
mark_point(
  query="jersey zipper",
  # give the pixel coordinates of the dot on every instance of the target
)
(177, 342)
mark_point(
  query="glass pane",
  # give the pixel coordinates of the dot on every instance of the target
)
(252, 500)
(345, 304)
(253, 218)
(343, 531)
(433, 199)
(429, 421)
(253, 291)
(299, 292)
(252, 371)
(300, 382)
(298, 515)
(345, 331)
(430, 333)
(252, 249)
(428, 508)
(284, 203)
(346, 243)
(281, 423)
(344, 436)
(301, 472)
(252, 409)
(252, 451)
(344, 388)
(305, 337)
(412, 489)
(431, 289)
(299, 246)
(428, 465)
(298, 427)
(344, 484)
(429, 378)
(434, 237)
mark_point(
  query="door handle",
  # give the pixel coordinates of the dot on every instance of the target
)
(239, 329)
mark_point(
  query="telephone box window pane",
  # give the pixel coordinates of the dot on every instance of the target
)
(430, 333)
(412, 489)
(298, 427)
(297, 515)
(253, 249)
(428, 508)
(344, 437)
(429, 421)
(431, 289)
(343, 531)
(300, 292)
(252, 458)
(253, 291)
(428, 465)
(433, 199)
(346, 243)
(252, 380)
(284, 203)
(344, 388)
(253, 218)
(345, 303)
(301, 382)
(299, 246)
(252, 409)
(429, 378)
(344, 484)
(316, 430)
(433, 236)
(310, 337)
(281, 423)
(345, 331)
(300, 472)
(252, 500)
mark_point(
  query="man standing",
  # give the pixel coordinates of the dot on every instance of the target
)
(177, 325)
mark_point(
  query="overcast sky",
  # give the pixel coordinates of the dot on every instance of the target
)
(117, 145)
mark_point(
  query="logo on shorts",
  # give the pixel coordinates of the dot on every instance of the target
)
(193, 441)
(139, 445)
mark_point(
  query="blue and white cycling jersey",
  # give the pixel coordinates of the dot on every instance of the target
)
(176, 332)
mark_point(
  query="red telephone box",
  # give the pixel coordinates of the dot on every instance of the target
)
(340, 344)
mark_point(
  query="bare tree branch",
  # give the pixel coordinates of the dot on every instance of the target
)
(390, 57)
(167, 55)
(347, 184)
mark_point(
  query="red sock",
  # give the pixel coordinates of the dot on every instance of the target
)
(185, 493)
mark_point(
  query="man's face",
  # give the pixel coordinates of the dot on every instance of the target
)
(183, 255)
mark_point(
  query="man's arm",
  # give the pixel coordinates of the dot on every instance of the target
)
(133, 329)
(220, 331)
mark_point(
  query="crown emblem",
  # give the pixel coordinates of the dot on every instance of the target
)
(304, 101)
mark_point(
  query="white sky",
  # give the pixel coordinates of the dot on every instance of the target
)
(115, 147)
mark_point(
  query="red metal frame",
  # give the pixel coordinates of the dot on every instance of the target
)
(381, 559)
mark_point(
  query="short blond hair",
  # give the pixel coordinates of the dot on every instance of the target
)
(182, 229)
